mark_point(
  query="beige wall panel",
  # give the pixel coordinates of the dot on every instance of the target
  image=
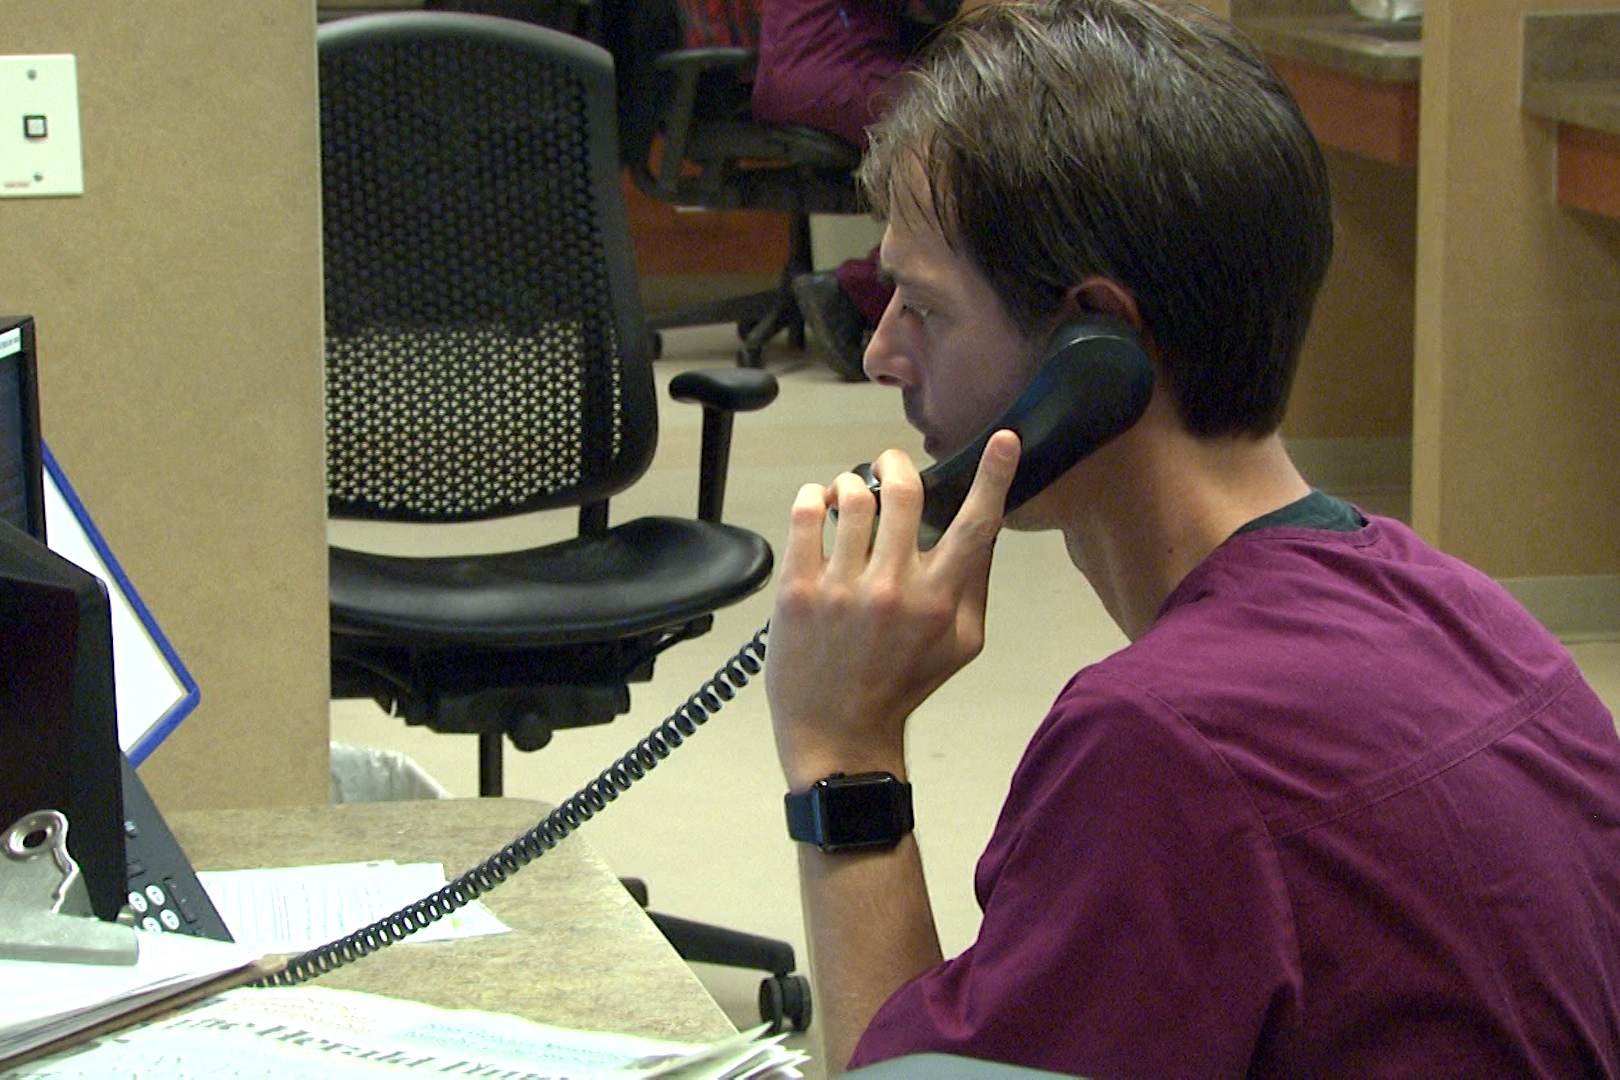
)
(1518, 315)
(178, 306)
(1355, 374)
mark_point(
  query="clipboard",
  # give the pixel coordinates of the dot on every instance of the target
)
(111, 1022)
(67, 976)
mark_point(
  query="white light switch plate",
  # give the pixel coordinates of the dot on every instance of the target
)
(39, 126)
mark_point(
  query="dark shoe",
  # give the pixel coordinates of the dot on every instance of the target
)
(835, 321)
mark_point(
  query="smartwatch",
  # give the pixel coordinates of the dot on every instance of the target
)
(850, 812)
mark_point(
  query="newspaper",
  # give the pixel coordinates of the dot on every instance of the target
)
(311, 1033)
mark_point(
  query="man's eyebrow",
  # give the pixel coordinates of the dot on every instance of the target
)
(897, 279)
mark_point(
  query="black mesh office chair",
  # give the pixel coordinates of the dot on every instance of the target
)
(485, 358)
(689, 139)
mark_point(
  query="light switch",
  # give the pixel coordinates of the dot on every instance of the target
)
(40, 152)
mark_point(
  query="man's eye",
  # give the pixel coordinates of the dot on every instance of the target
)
(917, 311)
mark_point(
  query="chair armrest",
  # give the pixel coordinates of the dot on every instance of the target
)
(709, 58)
(737, 389)
(723, 392)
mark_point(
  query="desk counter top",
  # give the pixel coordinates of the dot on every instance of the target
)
(1572, 67)
(1349, 44)
(1590, 103)
(582, 954)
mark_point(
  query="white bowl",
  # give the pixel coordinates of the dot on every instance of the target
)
(1388, 10)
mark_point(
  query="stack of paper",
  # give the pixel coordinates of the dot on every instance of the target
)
(292, 909)
(42, 1002)
(310, 1033)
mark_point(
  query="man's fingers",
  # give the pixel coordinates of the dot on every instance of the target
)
(805, 526)
(901, 503)
(986, 500)
(857, 510)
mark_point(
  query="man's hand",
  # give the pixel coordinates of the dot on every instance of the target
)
(864, 632)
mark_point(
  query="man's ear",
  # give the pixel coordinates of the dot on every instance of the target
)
(1105, 296)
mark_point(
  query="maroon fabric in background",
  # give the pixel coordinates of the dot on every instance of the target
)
(719, 22)
(862, 281)
(827, 64)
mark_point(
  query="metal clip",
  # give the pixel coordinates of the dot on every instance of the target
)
(44, 906)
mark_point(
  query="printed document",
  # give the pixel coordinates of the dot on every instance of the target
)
(311, 1033)
(293, 909)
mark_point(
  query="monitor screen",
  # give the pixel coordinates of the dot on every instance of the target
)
(21, 494)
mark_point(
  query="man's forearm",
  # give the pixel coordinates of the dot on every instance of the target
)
(860, 636)
(871, 930)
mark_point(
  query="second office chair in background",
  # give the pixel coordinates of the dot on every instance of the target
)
(485, 359)
(689, 139)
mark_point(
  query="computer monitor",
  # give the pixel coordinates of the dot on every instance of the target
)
(155, 691)
(85, 672)
(22, 498)
(57, 709)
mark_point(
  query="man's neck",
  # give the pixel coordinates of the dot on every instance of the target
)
(1151, 512)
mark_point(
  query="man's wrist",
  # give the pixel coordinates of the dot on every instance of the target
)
(801, 777)
(806, 761)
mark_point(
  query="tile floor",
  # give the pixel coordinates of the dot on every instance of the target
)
(705, 830)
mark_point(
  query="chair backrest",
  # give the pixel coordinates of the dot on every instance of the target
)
(484, 345)
(637, 33)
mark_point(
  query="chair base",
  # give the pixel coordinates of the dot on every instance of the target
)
(759, 316)
(493, 695)
(784, 998)
(527, 715)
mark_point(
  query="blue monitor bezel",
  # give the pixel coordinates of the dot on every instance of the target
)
(149, 739)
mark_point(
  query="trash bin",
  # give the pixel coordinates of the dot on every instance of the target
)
(366, 774)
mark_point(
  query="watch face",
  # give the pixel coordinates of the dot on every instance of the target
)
(842, 812)
(861, 813)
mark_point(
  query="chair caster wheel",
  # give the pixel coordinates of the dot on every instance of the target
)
(784, 1000)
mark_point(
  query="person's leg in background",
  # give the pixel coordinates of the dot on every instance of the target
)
(829, 64)
(842, 307)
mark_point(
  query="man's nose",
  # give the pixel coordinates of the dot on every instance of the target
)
(888, 360)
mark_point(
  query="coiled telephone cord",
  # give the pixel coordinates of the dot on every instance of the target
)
(574, 812)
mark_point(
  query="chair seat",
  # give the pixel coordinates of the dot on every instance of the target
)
(790, 146)
(643, 575)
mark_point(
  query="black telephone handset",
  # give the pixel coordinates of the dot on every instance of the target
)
(1092, 386)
